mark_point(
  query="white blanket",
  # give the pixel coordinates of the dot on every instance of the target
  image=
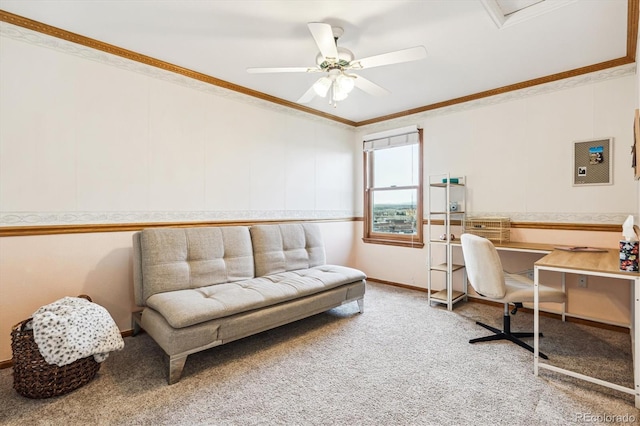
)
(73, 328)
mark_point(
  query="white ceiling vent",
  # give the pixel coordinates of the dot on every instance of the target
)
(509, 12)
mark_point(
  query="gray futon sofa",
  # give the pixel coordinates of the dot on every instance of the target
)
(202, 287)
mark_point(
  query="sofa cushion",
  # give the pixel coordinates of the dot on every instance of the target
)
(286, 247)
(187, 307)
(185, 258)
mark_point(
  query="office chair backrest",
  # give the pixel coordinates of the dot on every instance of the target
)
(483, 266)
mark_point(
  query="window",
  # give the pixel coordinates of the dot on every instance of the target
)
(393, 188)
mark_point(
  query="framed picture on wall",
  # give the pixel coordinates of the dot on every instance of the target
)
(593, 162)
(635, 149)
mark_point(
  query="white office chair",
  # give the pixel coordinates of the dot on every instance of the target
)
(488, 279)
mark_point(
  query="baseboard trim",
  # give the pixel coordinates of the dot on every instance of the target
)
(394, 284)
(472, 299)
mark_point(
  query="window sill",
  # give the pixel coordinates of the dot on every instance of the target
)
(390, 242)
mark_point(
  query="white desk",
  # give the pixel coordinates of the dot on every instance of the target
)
(524, 247)
(599, 264)
(518, 247)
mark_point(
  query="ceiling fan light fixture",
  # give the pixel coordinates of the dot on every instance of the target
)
(344, 84)
(321, 87)
(335, 62)
(338, 95)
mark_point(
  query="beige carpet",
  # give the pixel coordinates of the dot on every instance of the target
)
(400, 363)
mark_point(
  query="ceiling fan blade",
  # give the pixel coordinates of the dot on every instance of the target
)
(308, 96)
(399, 56)
(370, 87)
(323, 35)
(283, 69)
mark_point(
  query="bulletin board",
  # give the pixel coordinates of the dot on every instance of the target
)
(593, 162)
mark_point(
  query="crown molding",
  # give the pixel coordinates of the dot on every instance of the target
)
(43, 35)
(38, 33)
(526, 91)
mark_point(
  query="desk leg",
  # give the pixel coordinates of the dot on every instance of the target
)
(564, 290)
(536, 318)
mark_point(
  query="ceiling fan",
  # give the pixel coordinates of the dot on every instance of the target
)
(336, 63)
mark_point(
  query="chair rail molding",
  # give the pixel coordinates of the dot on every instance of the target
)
(86, 218)
(611, 218)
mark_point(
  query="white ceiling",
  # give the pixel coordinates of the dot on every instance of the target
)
(467, 52)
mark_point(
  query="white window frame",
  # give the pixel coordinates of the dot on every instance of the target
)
(388, 140)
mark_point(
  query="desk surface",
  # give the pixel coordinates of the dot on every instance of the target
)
(602, 262)
(605, 262)
(530, 247)
(518, 246)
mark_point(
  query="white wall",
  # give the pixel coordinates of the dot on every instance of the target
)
(81, 136)
(86, 138)
(517, 154)
(517, 158)
(638, 105)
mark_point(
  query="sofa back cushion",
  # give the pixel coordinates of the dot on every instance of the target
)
(286, 247)
(184, 258)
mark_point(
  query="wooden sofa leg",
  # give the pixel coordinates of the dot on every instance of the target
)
(176, 364)
(361, 305)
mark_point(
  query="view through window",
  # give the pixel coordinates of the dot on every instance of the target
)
(393, 189)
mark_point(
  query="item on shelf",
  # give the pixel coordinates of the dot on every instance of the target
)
(629, 246)
(495, 229)
(443, 237)
(629, 256)
(581, 248)
(453, 206)
(451, 180)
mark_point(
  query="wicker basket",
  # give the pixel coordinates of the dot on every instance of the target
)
(495, 229)
(33, 377)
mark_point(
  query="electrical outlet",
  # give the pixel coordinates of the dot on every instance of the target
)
(582, 281)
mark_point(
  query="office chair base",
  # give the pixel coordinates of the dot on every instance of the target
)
(507, 335)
